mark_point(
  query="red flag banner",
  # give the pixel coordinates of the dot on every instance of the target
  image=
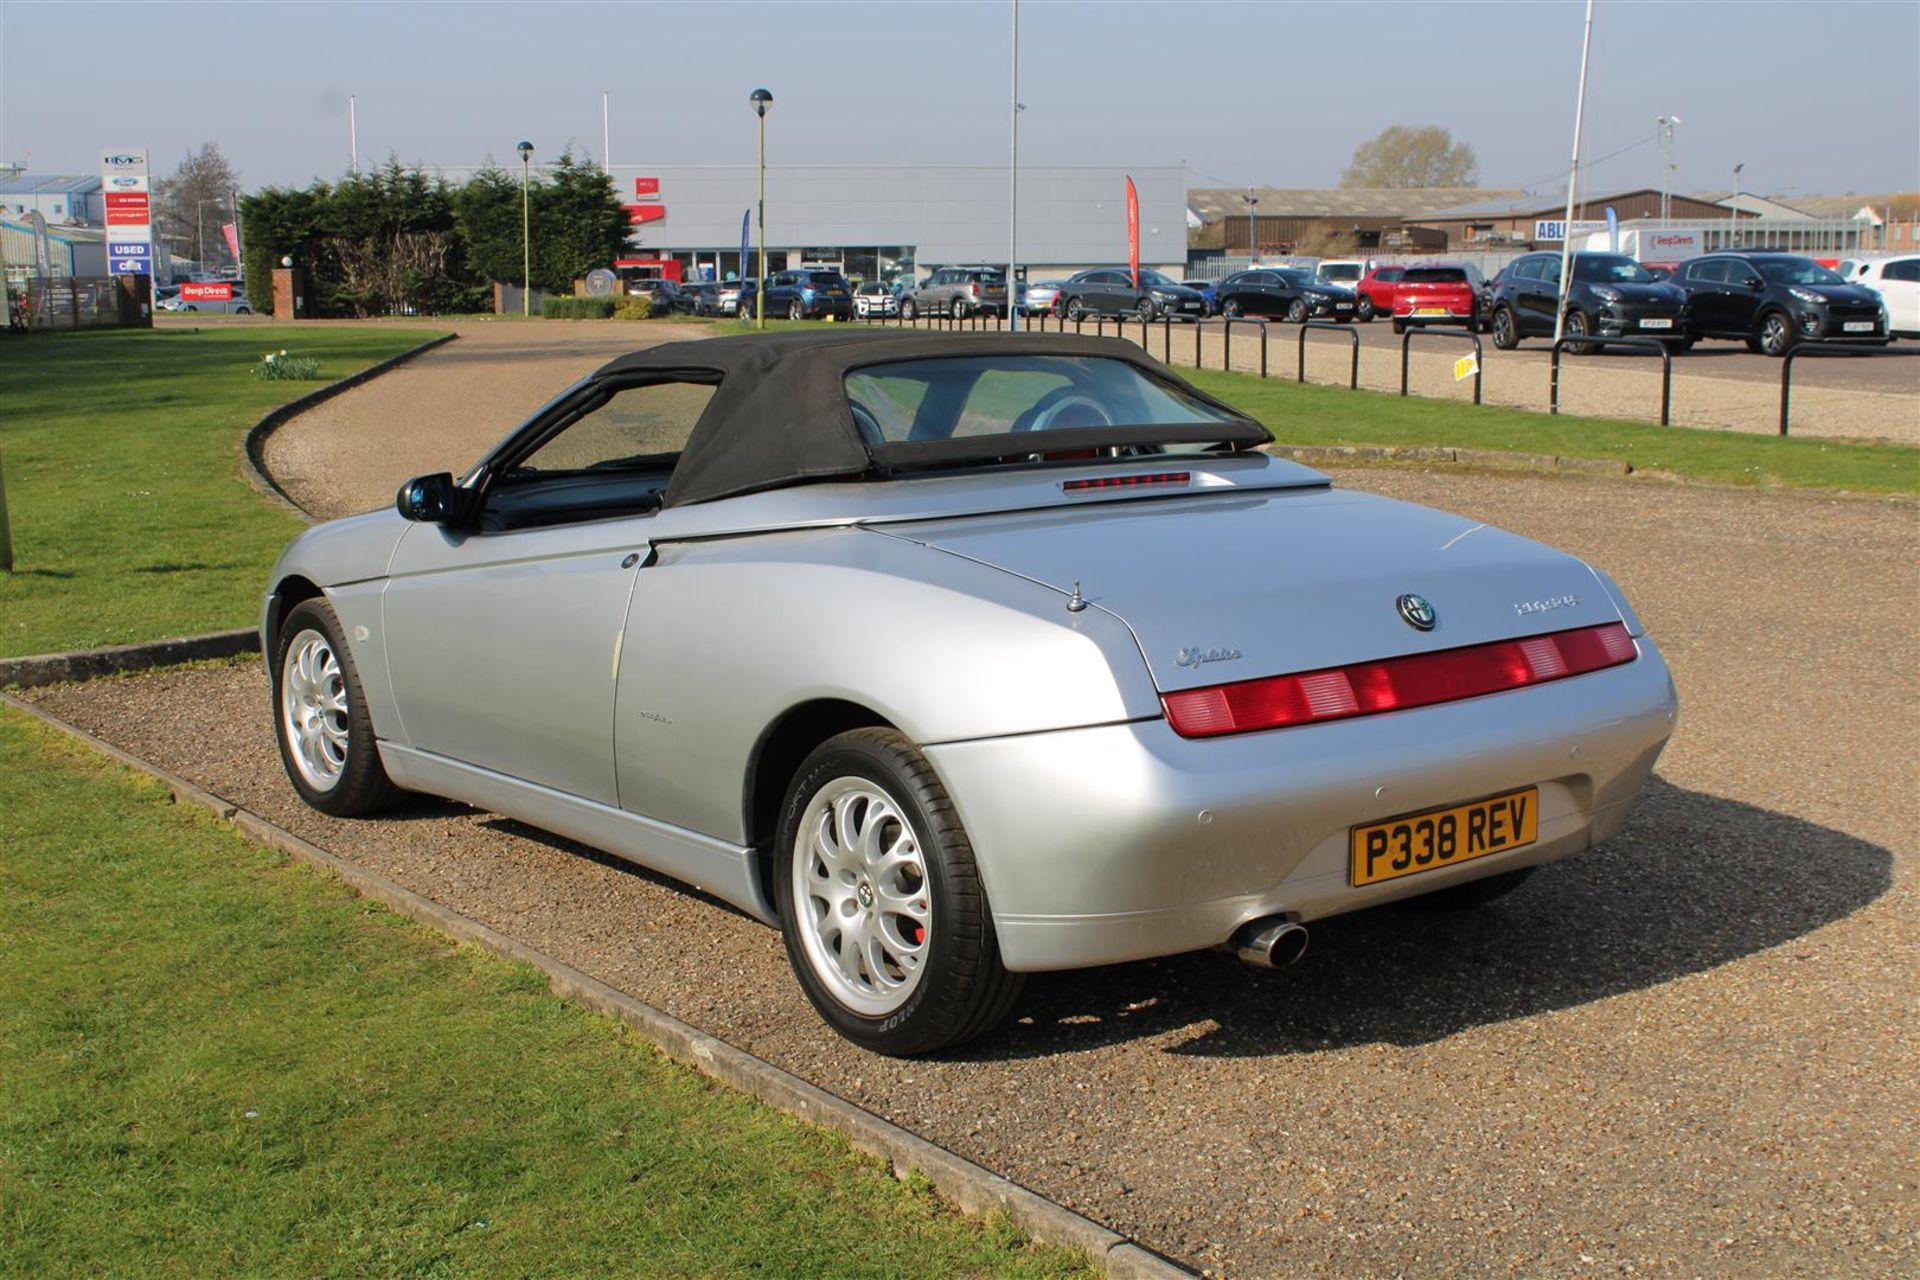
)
(1133, 232)
(232, 233)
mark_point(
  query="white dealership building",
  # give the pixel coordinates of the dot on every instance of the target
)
(879, 222)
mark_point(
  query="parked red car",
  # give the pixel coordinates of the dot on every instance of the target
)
(1446, 293)
(1376, 291)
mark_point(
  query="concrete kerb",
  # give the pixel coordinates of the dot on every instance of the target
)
(1492, 458)
(970, 1186)
(38, 669)
(254, 444)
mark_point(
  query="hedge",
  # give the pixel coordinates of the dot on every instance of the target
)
(578, 309)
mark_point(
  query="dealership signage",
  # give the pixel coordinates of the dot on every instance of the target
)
(129, 206)
(206, 292)
(646, 188)
(1556, 228)
(640, 213)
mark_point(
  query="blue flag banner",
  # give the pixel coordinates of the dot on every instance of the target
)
(745, 218)
(1613, 230)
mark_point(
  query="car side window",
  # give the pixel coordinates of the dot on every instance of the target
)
(1708, 272)
(612, 455)
(1907, 270)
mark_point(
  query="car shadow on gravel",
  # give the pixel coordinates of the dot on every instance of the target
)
(1694, 882)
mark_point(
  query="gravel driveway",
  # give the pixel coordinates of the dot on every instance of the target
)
(1689, 1053)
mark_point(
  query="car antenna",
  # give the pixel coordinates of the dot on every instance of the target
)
(1076, 603)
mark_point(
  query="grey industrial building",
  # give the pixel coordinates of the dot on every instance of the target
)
(878, 222)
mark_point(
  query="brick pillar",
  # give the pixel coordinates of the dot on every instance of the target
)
(289, 293)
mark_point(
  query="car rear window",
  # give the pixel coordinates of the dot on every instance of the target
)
(963, 396)
(1434, 275)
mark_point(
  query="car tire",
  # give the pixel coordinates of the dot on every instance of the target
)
(1399, 325)
(1474, 893)
(1577, 327)
(1146, 310)
(243, 311)
(1297, 311)
(1232, 309)
(189, 308)
(796, 310)
(320, 717)
(1774, 333)
(1363, 310)
(1680, 346)
(909, 310)
(924, 977)
(957, 309)
(1076, 310)
(1506, 329)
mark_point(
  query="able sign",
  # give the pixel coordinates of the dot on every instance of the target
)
(1556, 228)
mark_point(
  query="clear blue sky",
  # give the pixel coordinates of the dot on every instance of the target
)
(1815, 97)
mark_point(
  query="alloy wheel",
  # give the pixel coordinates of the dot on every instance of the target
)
(313, 709)
(863, 908)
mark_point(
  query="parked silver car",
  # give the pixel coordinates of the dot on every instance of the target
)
(957, 292)
(960, 656)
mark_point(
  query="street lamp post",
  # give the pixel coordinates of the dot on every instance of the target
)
(1666, 124)
(526, 230)
(1013, 178)
(761, 100)
(1251, 200)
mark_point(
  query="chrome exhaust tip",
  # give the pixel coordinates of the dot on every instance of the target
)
(1271, 943)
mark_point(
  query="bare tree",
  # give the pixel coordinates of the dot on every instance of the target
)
(190, 207)
(1412, 156)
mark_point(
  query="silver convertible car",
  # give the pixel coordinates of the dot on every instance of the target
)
(956, 657)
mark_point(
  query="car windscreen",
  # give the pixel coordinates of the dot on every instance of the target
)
(987, 408)
(1610, 271)
(1434, 275)
(1341, 273)
(1795, 271)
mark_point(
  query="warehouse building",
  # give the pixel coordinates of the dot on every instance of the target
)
(57, 197)
(881, 222)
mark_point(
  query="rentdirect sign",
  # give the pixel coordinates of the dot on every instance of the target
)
(129, 206)
(206, 292)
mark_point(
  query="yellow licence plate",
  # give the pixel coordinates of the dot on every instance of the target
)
(1431, 311)
(1444, 837)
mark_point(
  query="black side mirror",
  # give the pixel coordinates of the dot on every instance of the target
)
(430, 499)
(1755, 283)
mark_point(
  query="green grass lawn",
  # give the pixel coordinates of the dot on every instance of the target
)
(216, 1063)
(1310, 415)
(131, 517)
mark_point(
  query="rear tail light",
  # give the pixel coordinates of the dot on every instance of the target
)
(974, 289)
(1396, 684)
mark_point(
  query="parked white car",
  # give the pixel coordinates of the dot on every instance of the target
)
(875, 299)
(1897, 281)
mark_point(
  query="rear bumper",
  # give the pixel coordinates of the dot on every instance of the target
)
(1125, 842)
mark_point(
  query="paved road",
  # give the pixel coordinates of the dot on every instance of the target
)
(1690, 1052)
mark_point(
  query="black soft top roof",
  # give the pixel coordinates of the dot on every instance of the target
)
(780, 414)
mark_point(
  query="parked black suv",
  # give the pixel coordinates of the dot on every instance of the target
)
(1774, 300)
(1610, 296)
